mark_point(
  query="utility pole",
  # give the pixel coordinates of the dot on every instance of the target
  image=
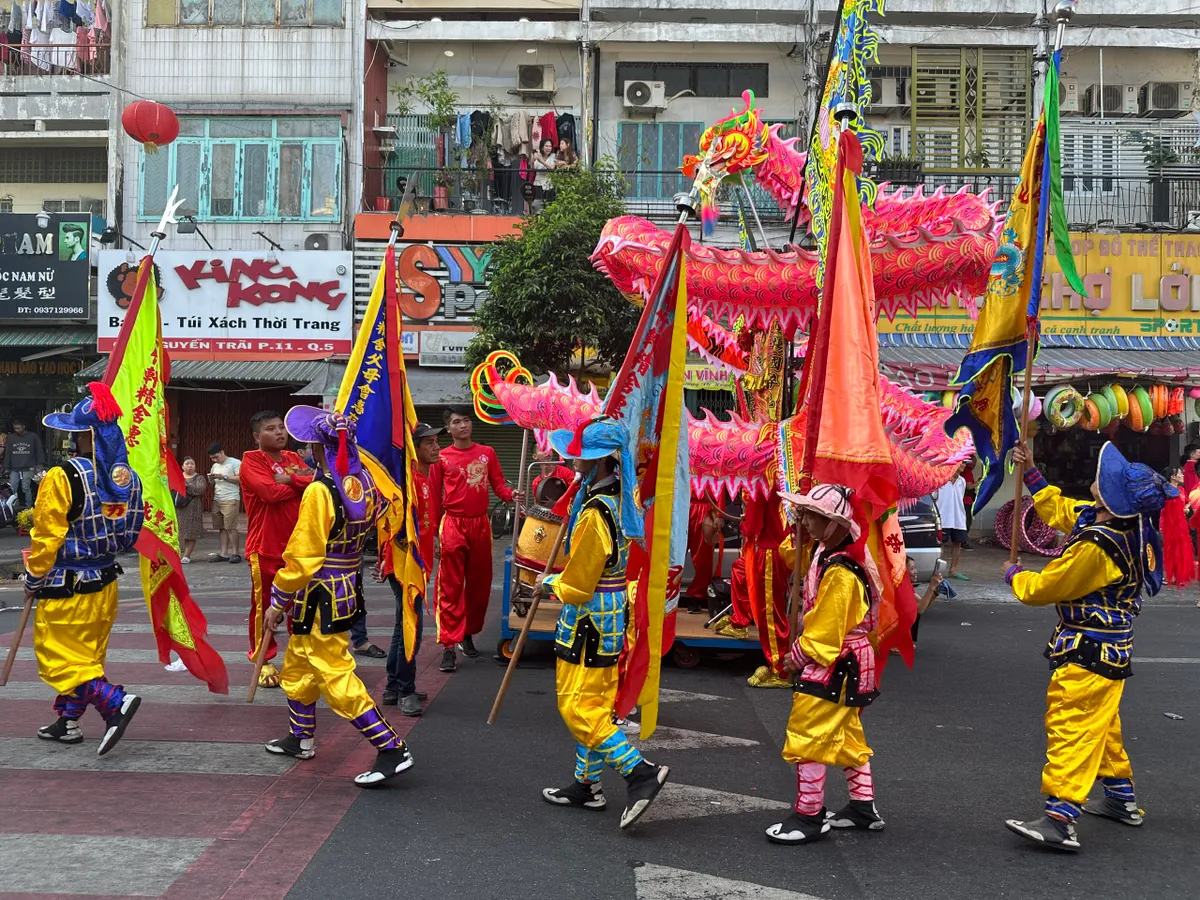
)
(587, 114)
(811, 88)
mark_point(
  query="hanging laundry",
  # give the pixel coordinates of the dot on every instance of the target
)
(566, 129)
(102, 18)
(62, 53)
(549, 128)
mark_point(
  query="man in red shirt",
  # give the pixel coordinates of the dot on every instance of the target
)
(273, 478)
(464, 581)
(549, 469)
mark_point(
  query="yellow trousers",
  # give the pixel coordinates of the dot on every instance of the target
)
(586, 698)
(1083, 733)
(70, 637)
(824, 732)
(320, 665)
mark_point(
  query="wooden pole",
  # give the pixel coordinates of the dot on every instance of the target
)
(1021, 436)
(259, 659)
(16, 641)
(796, 596)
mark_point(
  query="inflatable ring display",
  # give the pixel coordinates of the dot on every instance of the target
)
(1033, 536)
(1158, 400)
(1121, 398)
(1146, 409)
(1090, 421)
(1103, 408)
(1063, 406)
(1110, 397)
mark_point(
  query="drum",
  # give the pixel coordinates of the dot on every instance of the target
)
(538, 531)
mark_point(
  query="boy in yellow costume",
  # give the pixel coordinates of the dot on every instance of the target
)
(318, 588)
(1114, 553)
(88, 510)
(835, 660)
(591, 626)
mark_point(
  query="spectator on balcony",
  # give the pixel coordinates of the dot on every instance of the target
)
(567, 157)
(544, 162)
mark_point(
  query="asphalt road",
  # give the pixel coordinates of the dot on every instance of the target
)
(958, 744)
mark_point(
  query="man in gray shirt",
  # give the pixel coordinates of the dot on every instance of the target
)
(22, 454)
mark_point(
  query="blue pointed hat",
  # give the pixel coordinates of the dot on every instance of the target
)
(99, 414)
(1130, 489)
(597, 438)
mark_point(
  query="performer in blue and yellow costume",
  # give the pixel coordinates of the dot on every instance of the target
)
(1114, 553)
(88, 510)
(318, 588)
(591, 626)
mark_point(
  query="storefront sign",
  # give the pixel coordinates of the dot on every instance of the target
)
(40, 367)
(44, 268)
(703, 377)
(442, 283)
(410, 343)
(444, 348)
(1139, 285)
(238, 304)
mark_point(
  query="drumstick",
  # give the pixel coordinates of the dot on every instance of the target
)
(20, 632)
(259, 659)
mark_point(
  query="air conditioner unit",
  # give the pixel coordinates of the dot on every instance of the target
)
(939, 94)
(1119, 100)
(887, 93)
(647, 95)
(1164, 98)
(535, 80)
(319, 240)
(1068, 95)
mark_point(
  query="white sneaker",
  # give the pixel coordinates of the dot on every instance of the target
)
(176, 665)
(185, 560)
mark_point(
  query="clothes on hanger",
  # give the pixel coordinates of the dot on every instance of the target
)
(549, 128)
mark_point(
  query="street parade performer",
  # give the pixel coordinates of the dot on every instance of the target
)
(1112, 555)
(835, 658)
(88, 510)
(316, 588)
(273, 479)
(591, 626)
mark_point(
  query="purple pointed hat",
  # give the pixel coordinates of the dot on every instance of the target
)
(336, 452)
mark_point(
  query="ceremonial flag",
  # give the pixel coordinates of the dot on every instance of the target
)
(374, 394)
(1006, 333)
(647, 397)
(137, 371)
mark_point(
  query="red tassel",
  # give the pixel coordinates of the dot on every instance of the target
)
(104, 404)
(575, 448)
(563, 506)
(343, 455)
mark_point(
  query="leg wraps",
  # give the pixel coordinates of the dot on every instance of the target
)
(69, 707)
(106, 697)
(1063, 810)
(810, 788)
(1119, 789)
(303, 718)
(375, 728)
(588, 764)
(616, 751)
(860, 782)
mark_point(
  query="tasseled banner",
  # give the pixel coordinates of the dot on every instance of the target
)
(1179, 561)
(343, 453)
(104, 404)
(575, 448)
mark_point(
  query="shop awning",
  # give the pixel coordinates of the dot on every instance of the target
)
(188, 372)
(430, 387)
(48, 337)
(931, 369)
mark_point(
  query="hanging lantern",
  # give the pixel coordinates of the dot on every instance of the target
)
(151, 124)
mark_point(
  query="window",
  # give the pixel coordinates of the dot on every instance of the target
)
(81, 204)
(650, 153)
(248, 168)
(704, 80)
(283, 13)
(60, 165)
(6, 204)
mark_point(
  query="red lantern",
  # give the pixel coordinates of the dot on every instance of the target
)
(151, 124)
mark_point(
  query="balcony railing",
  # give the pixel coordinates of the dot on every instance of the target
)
(82, 58)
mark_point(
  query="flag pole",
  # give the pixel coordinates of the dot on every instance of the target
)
(1063, 12)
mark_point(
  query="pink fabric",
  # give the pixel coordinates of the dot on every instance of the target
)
(810, 788)
(860, 782)
(857, 641)
(101, 17)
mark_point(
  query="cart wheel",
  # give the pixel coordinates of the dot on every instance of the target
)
(505, 648)
(685, 657)
(520, 608)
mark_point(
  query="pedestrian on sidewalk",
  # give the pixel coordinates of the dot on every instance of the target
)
(927, 594)
(227, 500)
(461, 479)
(23, 455)
(189, 508)
(89, 509)
(275, 479)
(953, 513)
(315, 588)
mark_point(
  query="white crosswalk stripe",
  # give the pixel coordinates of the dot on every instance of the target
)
(666, 883)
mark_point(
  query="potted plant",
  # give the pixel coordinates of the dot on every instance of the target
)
(1157, 155)
(899, 168)
(440, 102)
(442, 182)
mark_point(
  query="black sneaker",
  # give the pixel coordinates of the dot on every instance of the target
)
(389, 698)
(235, 558)
(449, 663)
(300, 748)
(410, 705)
(799, 829)
(388, 764)
(65, 731)
(1053, 833)
(859, 814)
(644, 783)
(118, 723)
(1124, 811)
(468, 648)
(584, 796)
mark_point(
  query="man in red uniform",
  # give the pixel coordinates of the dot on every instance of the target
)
(464, 580)
(704, 528)
(273, 478)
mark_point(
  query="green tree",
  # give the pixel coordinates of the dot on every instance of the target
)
(545, 299)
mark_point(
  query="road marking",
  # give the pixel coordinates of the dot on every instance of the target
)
(231, 657)
(86, 864)
(1192, 660)
(666, 883)
(174, 757)
(147, 628)
(687, 801)
(666, 696)
(682, 739)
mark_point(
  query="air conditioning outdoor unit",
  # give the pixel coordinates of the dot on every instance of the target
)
(941, 94)
(1119, 100)
(648, 95)
(889, 93)
(535, 80)
(319, 240)
(1068, 95)
(1164, 98)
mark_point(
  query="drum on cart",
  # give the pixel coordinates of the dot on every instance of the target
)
(538, 531)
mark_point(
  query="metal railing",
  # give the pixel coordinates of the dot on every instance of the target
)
(55, 59)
